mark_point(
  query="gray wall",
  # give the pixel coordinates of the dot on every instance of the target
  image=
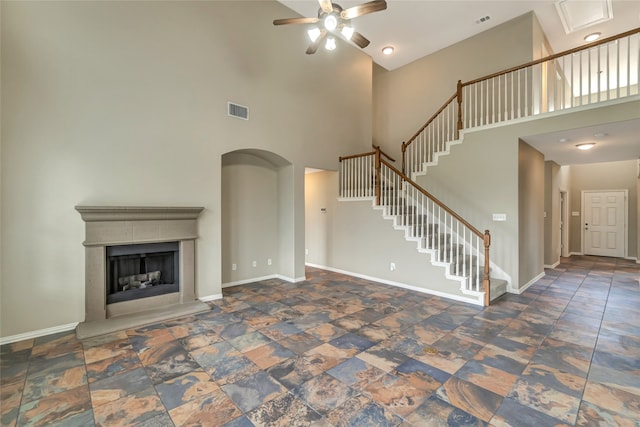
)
(531, 210)
(250, 224)
(480, 177)
(406, 97)
(353, 237)
(552, 213)
(124, 103)
(604, 176)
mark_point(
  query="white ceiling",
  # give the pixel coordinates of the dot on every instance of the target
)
(416, 28)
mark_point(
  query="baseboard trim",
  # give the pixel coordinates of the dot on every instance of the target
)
(257, 279)
(554, 265)
(38, 333)
(210, 297)
(399, 285)
(526, 286)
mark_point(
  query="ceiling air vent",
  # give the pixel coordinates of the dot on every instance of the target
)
(238, 111)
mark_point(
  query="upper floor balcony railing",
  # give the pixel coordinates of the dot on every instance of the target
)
(605, 70)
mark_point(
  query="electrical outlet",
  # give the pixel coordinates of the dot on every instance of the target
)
(269, 261)
(234, 267)
(306, 251)
(254, 264)
(392, 266)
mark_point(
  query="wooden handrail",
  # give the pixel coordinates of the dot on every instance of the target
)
(434, 199)
(377, 147)
(355, 156)
(486, 236)
(432, 118)
(554, 56)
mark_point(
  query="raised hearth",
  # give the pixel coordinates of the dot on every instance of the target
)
(109, 226)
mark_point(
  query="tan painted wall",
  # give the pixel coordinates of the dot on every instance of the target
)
(604, 176)
(352, 236)
(250, 227)
(530, 213)
(552, 213)
(478, 178)
(124, 103)
(406, 97)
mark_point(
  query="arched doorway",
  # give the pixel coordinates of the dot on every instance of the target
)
(257, 217)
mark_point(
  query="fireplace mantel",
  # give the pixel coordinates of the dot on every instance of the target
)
(137, 213)
(124, 225)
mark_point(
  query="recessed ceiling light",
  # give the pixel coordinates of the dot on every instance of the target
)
(592, 37)
(585, 146)
(387, 50)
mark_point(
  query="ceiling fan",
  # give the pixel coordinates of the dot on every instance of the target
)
(333, 19)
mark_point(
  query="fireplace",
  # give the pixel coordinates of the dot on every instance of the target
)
(142, 271)
(139, 261)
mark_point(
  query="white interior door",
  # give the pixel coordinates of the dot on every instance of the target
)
(604, 223)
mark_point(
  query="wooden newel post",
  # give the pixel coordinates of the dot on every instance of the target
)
(377, 181)
(404, 149)
(486, 283)
(459, 99)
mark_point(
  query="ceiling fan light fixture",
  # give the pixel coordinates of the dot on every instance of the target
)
(314, 33)
(387, 50)
(331, 44)
(585, 146)
(331, 22)
(347, 32)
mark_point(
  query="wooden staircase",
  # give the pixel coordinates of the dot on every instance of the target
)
(506, 96)
(442, 246)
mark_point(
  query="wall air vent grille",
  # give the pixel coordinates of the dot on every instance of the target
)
(239, 111)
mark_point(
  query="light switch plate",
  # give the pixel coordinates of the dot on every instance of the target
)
(499, 217)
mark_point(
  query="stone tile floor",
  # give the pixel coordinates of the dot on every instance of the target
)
(339, 351)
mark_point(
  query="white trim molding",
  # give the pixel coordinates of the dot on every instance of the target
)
(210, 297)
(38, 333)
(258, 279)
(554, 265)
(475, 301)
(529, 283)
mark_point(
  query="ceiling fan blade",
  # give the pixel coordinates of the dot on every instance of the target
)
(316, 44)
(360, 40)
(326, 5)
(363, 9)
(295, 21)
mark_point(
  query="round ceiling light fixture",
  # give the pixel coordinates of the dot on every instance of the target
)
(585, 146)
(331, 22)
(592, 37)
(387, 50)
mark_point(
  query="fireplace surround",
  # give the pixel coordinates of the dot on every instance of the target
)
(109, 226)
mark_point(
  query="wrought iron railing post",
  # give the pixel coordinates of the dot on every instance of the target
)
(486, 283)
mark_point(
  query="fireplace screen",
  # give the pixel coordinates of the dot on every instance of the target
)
(142, 270)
